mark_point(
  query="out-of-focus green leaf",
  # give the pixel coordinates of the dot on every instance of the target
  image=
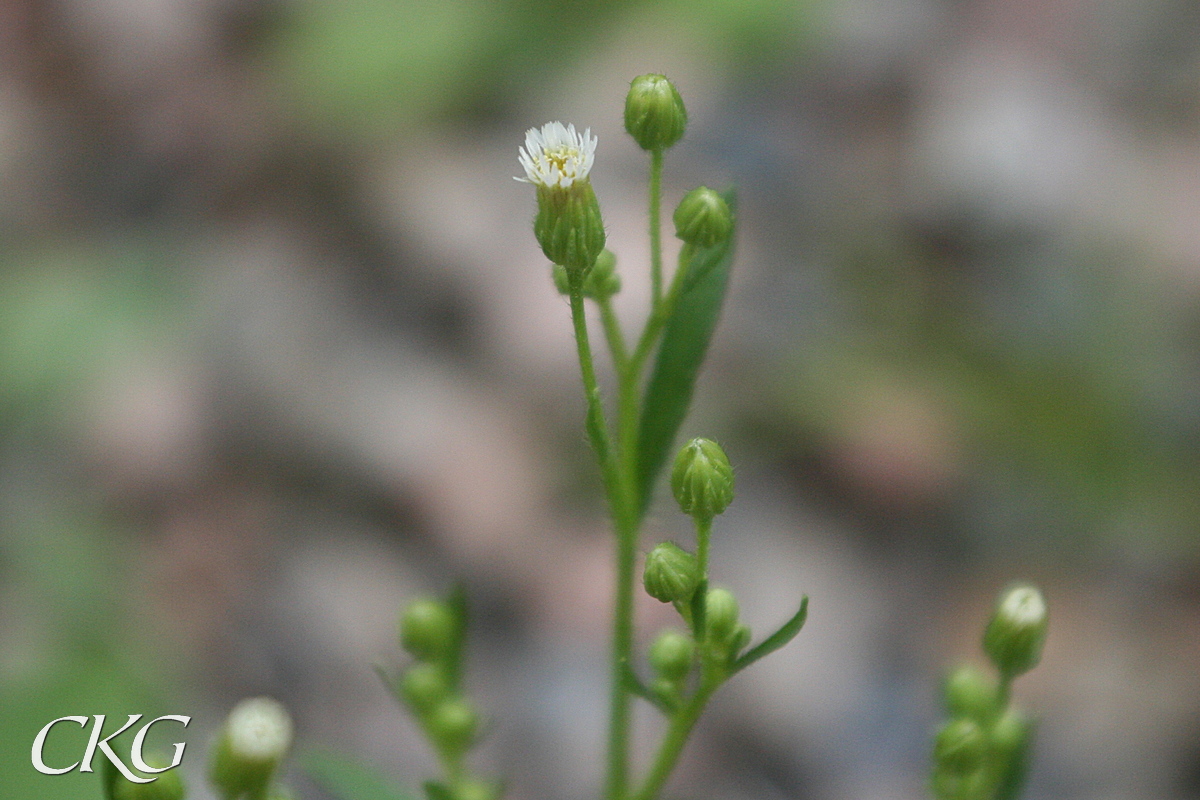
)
(350, 779)
(680, 356)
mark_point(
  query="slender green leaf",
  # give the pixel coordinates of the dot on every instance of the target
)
(776, 640)
(349, 779)
(458, 605)
(680, 356)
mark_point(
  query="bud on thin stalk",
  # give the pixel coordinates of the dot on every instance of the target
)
(256, 736)
(671, 574)
(703, 218)
(702, 479)
(1014, 637)
(654, 112)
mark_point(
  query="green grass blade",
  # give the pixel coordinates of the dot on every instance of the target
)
(680, 356)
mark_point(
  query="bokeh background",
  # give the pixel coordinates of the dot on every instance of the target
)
(278, 351)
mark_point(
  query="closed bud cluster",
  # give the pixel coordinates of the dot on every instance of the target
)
(671, 574)
(1014, 637)
(702, 479)
(967, 692)
(654, 112)
(671, 655)
(428, 629)
(254, 740)
(703, 218)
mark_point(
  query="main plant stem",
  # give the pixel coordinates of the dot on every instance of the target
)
(620, 486)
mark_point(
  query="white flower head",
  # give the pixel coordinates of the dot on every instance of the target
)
(259, 729)
(555, 155)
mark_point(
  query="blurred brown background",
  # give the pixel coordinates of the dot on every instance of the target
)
(278, 351)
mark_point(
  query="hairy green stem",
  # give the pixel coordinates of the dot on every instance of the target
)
(614, 336)
(656, 166)
(703, 533)
(660, 315)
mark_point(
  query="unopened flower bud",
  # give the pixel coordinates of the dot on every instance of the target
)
(165, 786)
(654, 112)
(453, 725)
(671, 655)
(967, 692)
(720, 615)
(703, 218)
(1014, 637)
(255, 738)
(428, 629)
(702, 479)
(1011, 733)
(671, 574)
(602, 282)
(960, 747)
(424, 686)
(475, 789)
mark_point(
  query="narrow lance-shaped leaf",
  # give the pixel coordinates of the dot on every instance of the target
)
(348, 779)
(685, 341)
(776, 640)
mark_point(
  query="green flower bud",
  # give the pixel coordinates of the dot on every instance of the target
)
(568, 226)
(960, 747)
(671, 574)
(703, 218)
(720, 616)
(428, 629)
(702, 479)
(967, 692)
(602, 281)
(654, 112)
(668, 691)
(671, 655)
(452, 725)
(1011, 734)
(255, 738)
(165, 786)
(1014, 637)
(424, 686)
(474, 789)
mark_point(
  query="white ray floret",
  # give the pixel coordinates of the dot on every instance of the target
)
(555, 155)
